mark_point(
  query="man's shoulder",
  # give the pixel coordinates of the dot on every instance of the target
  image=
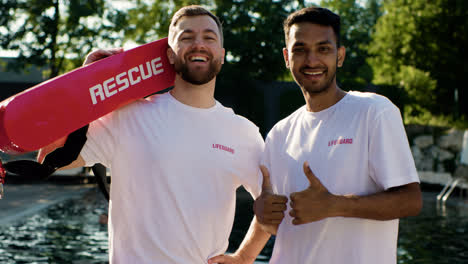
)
(142, 103)
(370, 102)
(237, 120)
(369, 98)
(285, 123)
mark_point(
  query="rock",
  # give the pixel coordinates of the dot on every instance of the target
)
(453, 140)
(440, 154)
(434, 178)
(434, 152)
(417, 154)
(440, 167)
(425, 164)
(445, 155)
(461, 171)
(423, 141)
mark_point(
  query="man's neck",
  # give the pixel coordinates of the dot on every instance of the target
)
(317, 102)
(199, 96)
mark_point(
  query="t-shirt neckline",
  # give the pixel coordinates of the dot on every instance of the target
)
(325, 112)
(191, 108)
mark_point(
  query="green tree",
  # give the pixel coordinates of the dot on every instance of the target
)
(149, 20)
(57, 34)
(357, 23)
(253, 37)
(430, 36)
(252, 31)
(254, 42)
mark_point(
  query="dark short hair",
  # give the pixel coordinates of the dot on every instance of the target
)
(195, 10)
(315, 15)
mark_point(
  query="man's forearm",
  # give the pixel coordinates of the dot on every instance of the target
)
(394, 203)
(254, 241)
(79, 162)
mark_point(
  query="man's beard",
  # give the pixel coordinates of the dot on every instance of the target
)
(316, 89)
(319, 89)
(197, 77)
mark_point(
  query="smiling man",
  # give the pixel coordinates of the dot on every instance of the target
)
(342, 160)
(176, 159)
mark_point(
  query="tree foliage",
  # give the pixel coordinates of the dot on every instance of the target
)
(252, 31)
(254, 36)
(253, 39)
(57, 34)
(430, 37)
(357, 23)
(149, 20)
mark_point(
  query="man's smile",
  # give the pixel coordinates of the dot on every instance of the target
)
(198, 59)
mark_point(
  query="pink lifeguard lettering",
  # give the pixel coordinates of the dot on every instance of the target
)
(130, 76)
(222, 147)
(95, 91)
(142, 71)
(154, 66)
(120, 81)
(340, 141)
(108, 86)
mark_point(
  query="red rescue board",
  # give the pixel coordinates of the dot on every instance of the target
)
(53, 109)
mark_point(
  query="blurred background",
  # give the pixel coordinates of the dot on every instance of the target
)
(412, 51)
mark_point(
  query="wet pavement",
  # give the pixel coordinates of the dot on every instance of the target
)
(24, 199)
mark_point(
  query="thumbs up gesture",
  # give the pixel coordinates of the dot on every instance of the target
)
(312, 204)
(269, 207)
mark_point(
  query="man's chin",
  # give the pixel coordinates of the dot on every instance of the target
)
(197, 80)
(316, 89)
(197, 76)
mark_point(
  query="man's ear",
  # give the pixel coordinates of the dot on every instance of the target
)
(170, 55)
(341, 56)
(286, 57)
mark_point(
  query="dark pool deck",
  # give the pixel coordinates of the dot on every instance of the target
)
(22, 199)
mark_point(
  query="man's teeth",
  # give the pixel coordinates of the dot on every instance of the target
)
(203, 59)
(313, 73)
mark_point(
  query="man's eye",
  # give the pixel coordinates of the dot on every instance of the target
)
(324, 49)
(210, 38)
(296, 50)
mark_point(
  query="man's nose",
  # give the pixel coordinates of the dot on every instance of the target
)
(312, 58)
(199, 43)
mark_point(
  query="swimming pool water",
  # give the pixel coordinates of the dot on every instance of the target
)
(70, 232)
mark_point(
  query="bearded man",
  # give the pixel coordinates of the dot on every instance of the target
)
(176, 159)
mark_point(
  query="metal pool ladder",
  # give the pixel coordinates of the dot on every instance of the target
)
(448, 189)
(460, 175)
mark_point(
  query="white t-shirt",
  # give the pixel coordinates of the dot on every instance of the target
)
(357, 146)
(175, 170)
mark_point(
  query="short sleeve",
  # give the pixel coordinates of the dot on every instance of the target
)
(252, 179)
(100, 143)
(391, 163)
(270, 157)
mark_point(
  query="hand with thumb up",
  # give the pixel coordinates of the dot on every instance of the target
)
(312, 204)
(269, 207)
